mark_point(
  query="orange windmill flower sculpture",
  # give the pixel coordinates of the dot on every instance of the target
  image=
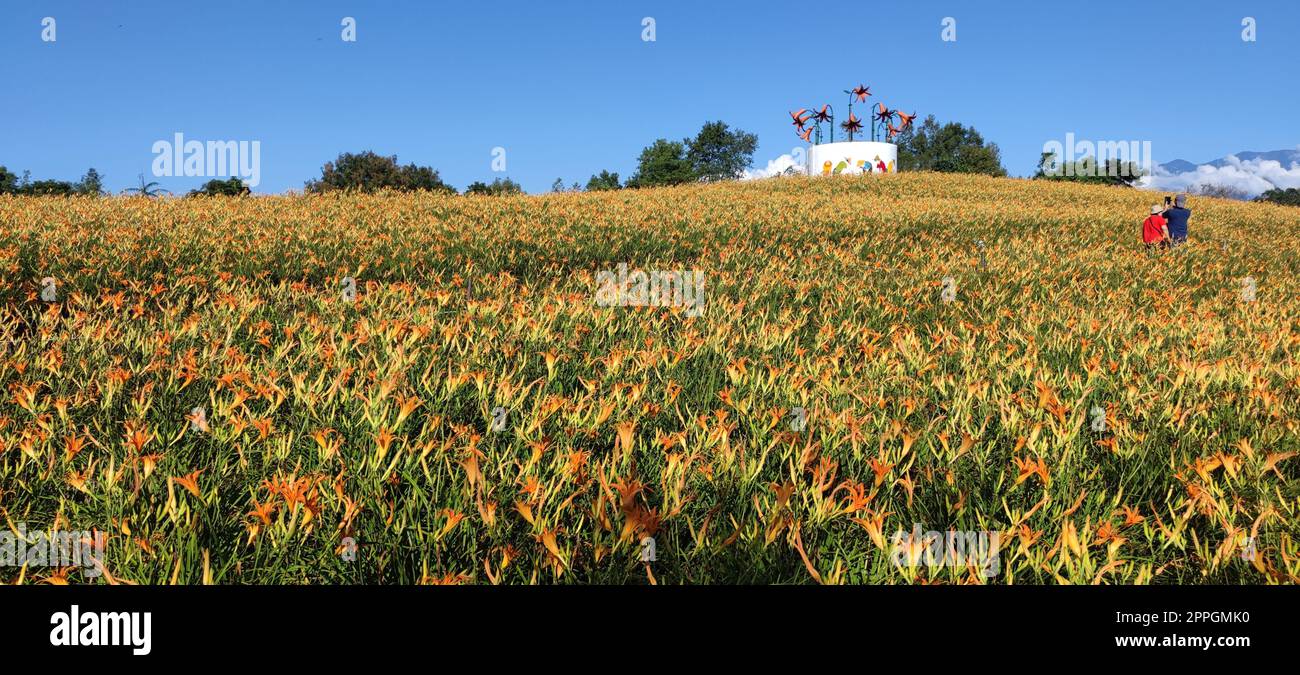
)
(824, 115)
(800, 118)
(883, 118)
(904, 123)
(853, 125)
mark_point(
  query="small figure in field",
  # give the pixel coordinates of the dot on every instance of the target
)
(1155, 230)
(1176, 218)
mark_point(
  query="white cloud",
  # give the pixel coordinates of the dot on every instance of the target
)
(775, 167)
(1250, 176)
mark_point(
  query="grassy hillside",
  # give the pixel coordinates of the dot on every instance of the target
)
(326, 417)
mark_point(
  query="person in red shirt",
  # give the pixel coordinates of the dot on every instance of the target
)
(1155, 231)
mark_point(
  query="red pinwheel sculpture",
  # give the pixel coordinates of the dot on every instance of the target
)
(882, 119)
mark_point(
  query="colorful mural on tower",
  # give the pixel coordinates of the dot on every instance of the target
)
(850, 156)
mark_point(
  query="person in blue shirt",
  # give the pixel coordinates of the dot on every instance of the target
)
(1176, 216)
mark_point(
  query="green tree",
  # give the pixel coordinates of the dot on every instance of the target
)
(48, 187)
(233, 187)
(1113, 172)
(603, 181)
(663, 163)
(91, 183)
(950, 148)
(720, 153)
(8, 181)
(498, 187)
(1287, 197)
(369, 172)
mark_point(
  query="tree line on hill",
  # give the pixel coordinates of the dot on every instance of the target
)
(1287, 197)
(90, 184)
(717, 152)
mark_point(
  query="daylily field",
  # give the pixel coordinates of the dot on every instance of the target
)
(198, 385)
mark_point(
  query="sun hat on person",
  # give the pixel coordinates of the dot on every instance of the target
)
(1155, 208)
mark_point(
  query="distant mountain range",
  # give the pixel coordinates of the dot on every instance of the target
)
(1285, 157)
(1247, 174)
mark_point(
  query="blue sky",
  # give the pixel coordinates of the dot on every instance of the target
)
(570, 88)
